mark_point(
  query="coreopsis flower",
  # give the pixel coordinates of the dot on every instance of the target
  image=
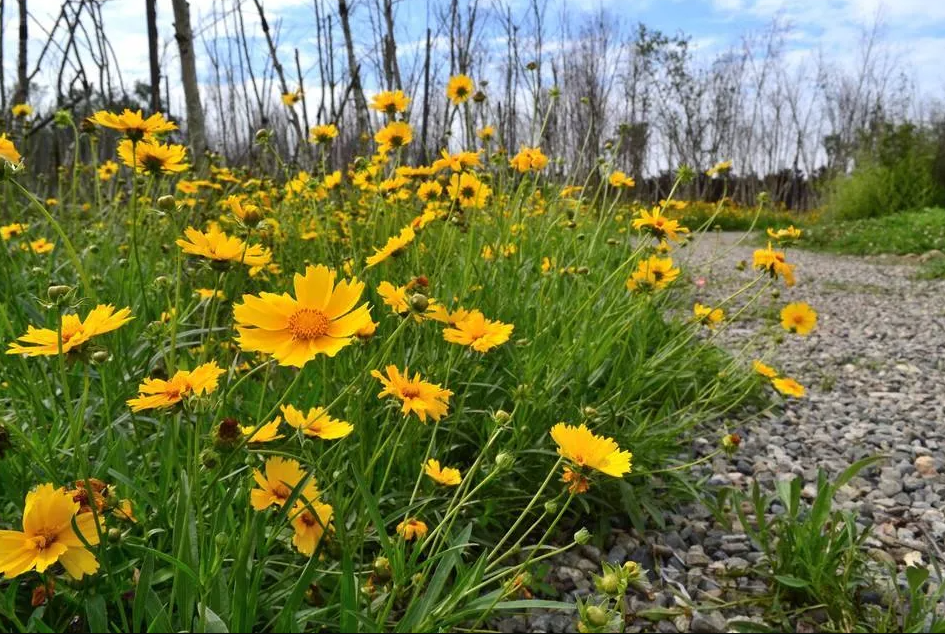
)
(619, 179)
(39, 246)
(791, 233)
(658, 225)
(477, 332)
(417, 396)
(282, 476)
(317, 423)
(90, 493)
(468, 190)
(456, 162)
(799, 318)
(320, 319)
(8, 151)
(264, 433)
(289, 99)
(447, 476)
(21, 110)
(124, 511)
(107, 170)
(394, 135)
(332, 180)
(153, 157)
(788, 387)
(459, 89)
(654, 273)
(583, 448)
(132, 124)
(12, 230)
(395, 297)
(487, 253)
(208, 293)
(429, 191)
(411, 529)
(323, 134)
(367, 331)
(439, 312)
(248, 213)
(719, 169)
(75, 332)
(529, 160)
(48, 536)
(486, 133)
(390, 102)
(764, 370)
(707, 315)
(163, 394)
(731, 442)
(395, 245)
(577, 482)
(219, 247)
(310, 522)
(773, 262)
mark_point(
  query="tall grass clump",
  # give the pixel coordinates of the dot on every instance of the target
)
(366, 397)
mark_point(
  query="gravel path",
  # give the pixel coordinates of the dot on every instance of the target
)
(874, 369)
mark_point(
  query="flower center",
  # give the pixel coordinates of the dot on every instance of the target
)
(281, 491)
(308, 324)
(657, 275)
(397, 140)
(467, 192)
(410, 391)
(308, 519)
(43, 540)
(152, 163)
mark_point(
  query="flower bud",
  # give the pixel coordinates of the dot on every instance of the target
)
(101, 356)
(609, 584)
(114, 535)
(504, 460)
(551, 507)
(262, 136)
(382, 569)
(62, 118)
(501, 416)
(209, 458)
(57, 293)
(582, 536)
(221, 539)
(596, 616)
(167, 203)
(419, 302)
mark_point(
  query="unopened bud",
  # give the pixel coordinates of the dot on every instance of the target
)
(101, 356)
(58, 292)
(609, 583)
(582, 536)
(419, 302)
(62, 118)
(382, 569)
(209, 459)
(551, 507)
(597, 617)
(263, 135)
(504, 460)
(114, 535)
(167, 203)
(221, 539)
(501, 416)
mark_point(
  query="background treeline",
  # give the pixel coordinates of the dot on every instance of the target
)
(624, 96)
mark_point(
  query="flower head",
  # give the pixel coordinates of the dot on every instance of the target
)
(529, 159)
(411, 529)
(773, 262)
(289, 99)
(12, 230)
(394, 135)
(21, 110)
(317, 423)
(390, 102)
(583, 448)
(107, 170)
(620, 179)
(719, 169)
(132, 124)
(658, 225)
(447, 476)
(798, 317)
(395, 245)
(395, 297)
(48, 536)
(265, 433)
(153, 157)
(654, 273)
(323, 134)
(781, 235)
(75, 332)
(486, 133)
(788, 387)
(468, 190)
(459, 88)
(39, 246)
(8, 151)
(707, 315)
(162, 394)
(418, 396)
(320, 319)
(219, 247)
(477, 332)
(310, 522)
(282, 476)
(764, 370)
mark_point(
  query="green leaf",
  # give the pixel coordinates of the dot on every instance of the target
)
(916, 576)
(141, 592)
(791, 582)
(97, 613)
(214, 624)
(850, 472)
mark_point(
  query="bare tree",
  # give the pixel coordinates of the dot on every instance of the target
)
(196, 130)
(22, 81)
(155, 87)
(354, 69)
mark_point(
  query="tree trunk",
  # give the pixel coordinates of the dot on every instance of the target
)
(151, 10)
(3, 79)
(360, 103)
(188, 71)
(22, 80)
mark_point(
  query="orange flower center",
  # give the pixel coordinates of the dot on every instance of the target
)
(281, 491)
(397, 140)
(43, 540)
(308, 324)
(308, 519)
(467, 192)
(410, 391)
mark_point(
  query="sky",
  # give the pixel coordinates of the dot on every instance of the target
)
(913, 30)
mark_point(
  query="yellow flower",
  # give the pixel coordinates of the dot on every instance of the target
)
(394, 296)
(456, 162)
(486, 133)
(219, 247)
(412, 528)
(430, 190)
(478, 333)
(133, 124)
(547, 264)
(153, 157)
(707, 315)
(438, 312)
(719, 169)
(654, 273)
(310, 522)
(282, 477)
(40, 246)
(323, 133)
(317, 423)
(21, 110)
(459, 88)
(619, 179)
(188, 188)
(48, 536)
(291, 98)
(266, 433)
(529, 159)
(468, 190)
(161, 394)
(798, 317)
(249, 214)
(207, 293)
(332, 180)
(395, 245)
(764, 370)
(788, 387)
(791, 233)
(394, 135)
(583, 448)
(447, 476)
(367, 331)
(390, 102)
(658, 225)
(773, 262)
(321, 319)
(75, 332)
(124, 510)
(107, 170)
(487, 253)
(417, 395)
(577, 482)
(12, 230)
(8, 151)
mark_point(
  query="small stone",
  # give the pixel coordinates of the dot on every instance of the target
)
(925, 465)
(697, 557)
(707, 623)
